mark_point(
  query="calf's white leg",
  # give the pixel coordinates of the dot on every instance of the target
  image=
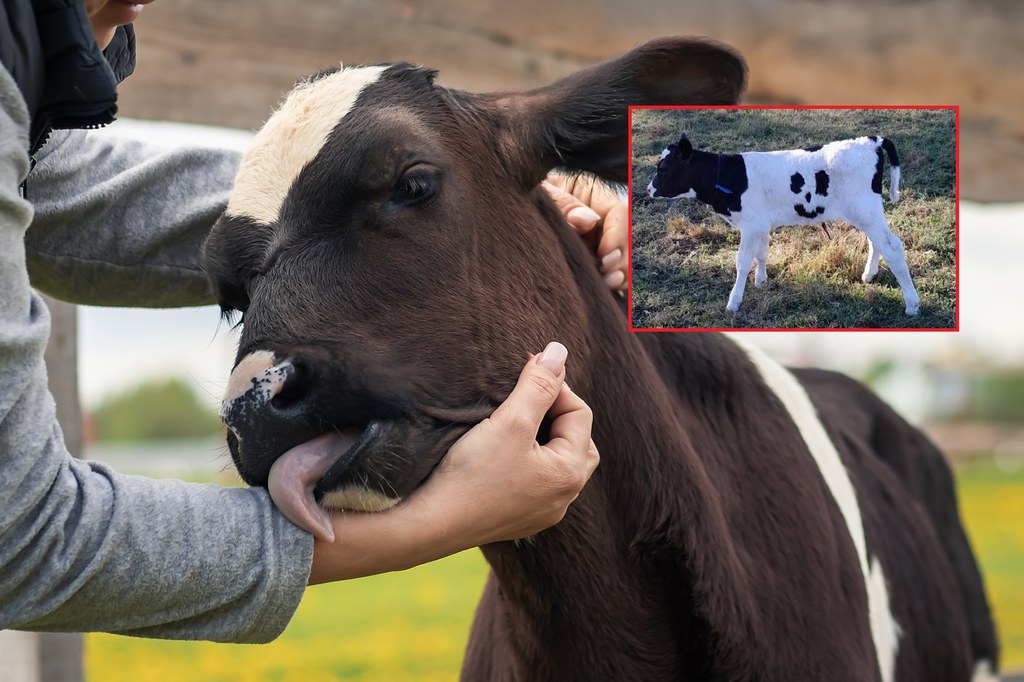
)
(887, 245)
(749, 243)
(871, 266)
(761, 276)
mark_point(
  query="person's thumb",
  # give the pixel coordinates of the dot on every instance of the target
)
(538, 385)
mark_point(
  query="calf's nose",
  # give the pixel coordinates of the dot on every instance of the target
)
(266, 408)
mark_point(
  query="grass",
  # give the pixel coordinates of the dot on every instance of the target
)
(684, 255)
(992, 509)
(413, 626)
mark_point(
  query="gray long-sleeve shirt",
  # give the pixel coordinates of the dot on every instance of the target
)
(82, 547)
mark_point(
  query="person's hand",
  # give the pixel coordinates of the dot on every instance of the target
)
(598, 214)
(496, 483)
(521, 487)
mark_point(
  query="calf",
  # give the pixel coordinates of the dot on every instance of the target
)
(395, 259)
(758, 191)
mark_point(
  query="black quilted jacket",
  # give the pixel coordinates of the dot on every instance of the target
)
(49, 49)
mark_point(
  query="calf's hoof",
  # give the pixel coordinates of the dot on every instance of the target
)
(733, 307)
(760, 282)
(913, 309)
(867, 277)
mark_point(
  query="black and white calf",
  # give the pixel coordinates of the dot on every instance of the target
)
(758, 191)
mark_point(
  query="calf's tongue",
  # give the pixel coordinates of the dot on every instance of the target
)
(295, 474)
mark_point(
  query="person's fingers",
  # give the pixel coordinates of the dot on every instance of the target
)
(581, 198)
(593, 458)
(580, 217)
(591, 462)
(571, 424)
(613, 247)
(615, 280)
(613, 267)
(614, 231)
(539, 386)
(577, 185)
(610, 261)
(590, 190)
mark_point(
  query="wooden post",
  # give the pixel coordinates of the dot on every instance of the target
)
(19, 656)
(62, 370)
(27, 656)
(60, 655)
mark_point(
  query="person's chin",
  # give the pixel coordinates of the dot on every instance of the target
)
(119, 12)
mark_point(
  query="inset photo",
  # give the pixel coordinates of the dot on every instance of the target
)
(794, 218)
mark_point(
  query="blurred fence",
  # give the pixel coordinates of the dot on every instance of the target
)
(964, 442)
(229, 62)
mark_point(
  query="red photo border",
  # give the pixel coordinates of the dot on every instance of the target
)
(629, 273)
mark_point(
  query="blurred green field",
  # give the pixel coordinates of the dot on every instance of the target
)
(992, 508)
(684, 255)
(412, 626)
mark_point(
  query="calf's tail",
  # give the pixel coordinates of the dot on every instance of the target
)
(894, 169)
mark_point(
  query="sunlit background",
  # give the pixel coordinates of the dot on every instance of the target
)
(229, 62)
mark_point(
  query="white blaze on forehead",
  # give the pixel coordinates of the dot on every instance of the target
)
(885, 631)
(665, 153)
(291, 138)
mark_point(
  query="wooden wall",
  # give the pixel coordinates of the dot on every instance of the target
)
(229, 62)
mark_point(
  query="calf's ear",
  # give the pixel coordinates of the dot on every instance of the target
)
(685, 148)
(580, 121)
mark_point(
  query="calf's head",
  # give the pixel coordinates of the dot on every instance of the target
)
(674, 175)
(394, 261)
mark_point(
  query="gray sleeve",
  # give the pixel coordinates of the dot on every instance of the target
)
(120, 222)
(83, 548)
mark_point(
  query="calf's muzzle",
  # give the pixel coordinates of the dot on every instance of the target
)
(267, 409)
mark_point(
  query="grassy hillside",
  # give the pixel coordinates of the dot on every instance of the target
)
(684, 255)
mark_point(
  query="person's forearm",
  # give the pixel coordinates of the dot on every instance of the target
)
(120, 222)
(100, 551)
(83, 548)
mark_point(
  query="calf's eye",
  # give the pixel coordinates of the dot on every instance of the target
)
(416, 187)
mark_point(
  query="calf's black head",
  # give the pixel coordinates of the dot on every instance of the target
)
(674, 176)
(395, 262)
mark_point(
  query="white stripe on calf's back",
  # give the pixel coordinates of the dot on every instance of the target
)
(983, 672)
(884, 629)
